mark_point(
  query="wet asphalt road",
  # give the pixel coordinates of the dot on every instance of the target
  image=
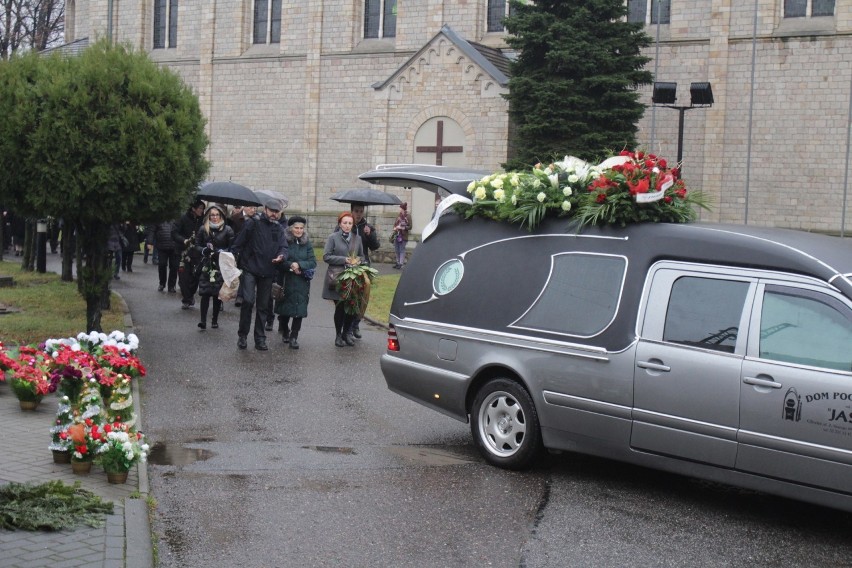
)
(303, 458)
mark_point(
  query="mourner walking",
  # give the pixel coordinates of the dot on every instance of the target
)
(297, 281)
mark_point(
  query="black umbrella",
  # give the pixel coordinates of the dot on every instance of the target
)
(366, 196)
(265, 195)
(227, 192)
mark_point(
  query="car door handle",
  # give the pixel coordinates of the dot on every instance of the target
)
(761, 382)
(653, 366)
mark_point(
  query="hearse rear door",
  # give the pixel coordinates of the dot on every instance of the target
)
(797, 387)
(688, 362)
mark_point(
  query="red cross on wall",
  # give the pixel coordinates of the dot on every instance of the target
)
(439, 149)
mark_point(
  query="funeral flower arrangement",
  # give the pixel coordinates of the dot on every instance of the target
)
(122, 448)
(353, 285)
(29, 370)
(629, 188)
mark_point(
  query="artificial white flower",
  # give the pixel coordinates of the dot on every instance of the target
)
(567, 191)
(471, 186)
(566, 205)
(573, 178)
(541, 197)
(499, 195)
(479, 193)
(497, 183)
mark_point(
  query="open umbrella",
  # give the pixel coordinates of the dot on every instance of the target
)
(366, 196)
(265, 195)
(227, 192)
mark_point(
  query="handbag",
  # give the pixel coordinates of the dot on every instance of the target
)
(334, 270)
(277, 292)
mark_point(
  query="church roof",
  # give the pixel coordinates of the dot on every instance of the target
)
(489, 59)
(73, 48)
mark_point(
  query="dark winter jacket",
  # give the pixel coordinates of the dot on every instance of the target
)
(210, 278)
(257, 244)
(184, 232)
(162, 234)
(370, 242)
(131, 233)
(297, 290)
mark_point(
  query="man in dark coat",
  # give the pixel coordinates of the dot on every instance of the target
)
(370, 239)
(184, 235)
(261, 247)
(167, 255)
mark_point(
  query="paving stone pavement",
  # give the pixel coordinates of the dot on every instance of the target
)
(125, 539)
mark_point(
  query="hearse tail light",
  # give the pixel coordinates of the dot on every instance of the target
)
(393, 341)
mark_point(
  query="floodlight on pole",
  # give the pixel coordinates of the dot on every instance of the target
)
(665, 94)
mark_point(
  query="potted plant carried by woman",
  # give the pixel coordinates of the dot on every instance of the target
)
(122, 449)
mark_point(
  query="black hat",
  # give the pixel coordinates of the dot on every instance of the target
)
(296, 219)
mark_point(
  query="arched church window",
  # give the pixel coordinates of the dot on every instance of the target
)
(379, 18)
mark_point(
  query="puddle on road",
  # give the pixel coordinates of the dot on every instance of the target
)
(428, 456)
(331, 449)
(163, 453)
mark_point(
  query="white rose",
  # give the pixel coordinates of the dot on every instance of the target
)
(536, 183)
(514, 199)
(566, 205)
(479, 193)
(471, 186)
(497, 183)
(499, 195)
(541, 197)
(515, 180)
(573, 178)
(567, 191)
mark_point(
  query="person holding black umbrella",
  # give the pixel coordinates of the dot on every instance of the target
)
(370, 241)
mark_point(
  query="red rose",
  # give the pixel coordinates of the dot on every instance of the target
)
(601, 197)
(667, 199)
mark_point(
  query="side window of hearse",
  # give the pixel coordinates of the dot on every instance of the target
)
(808, 328)
(705, 312)
(581, 295)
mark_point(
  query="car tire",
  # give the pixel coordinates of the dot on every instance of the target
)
(504, 424)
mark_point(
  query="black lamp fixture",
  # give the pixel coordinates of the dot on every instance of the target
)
(700, 94)
(664, 93)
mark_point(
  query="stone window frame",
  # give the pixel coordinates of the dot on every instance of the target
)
(165, 24)
(271, 23)
(382, 28)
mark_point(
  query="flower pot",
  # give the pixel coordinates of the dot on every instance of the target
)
(117, 476)
(61, 457)
(29, 405)
(81, 467)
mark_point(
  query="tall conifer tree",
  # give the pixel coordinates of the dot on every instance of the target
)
(573, 84)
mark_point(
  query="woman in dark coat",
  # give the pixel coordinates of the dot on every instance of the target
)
(341, 247)
(131, 235)
(213, 236)
(297, 284)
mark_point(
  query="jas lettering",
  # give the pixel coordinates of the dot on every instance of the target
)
(838, 416)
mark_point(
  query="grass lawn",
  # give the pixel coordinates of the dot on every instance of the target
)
(49, 308)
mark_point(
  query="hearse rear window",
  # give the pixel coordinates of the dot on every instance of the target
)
(805, 328)
(580, 297)
(705, 312)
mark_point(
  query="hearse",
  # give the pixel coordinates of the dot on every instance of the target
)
(715, 351)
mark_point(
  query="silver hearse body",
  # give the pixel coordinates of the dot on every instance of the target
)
(722, 352)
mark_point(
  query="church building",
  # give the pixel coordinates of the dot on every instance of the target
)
(301, 97)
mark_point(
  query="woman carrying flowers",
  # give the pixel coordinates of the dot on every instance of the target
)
(213, 237)
(297, 281)
(343, 249)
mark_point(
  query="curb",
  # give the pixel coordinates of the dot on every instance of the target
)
(138, 548)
